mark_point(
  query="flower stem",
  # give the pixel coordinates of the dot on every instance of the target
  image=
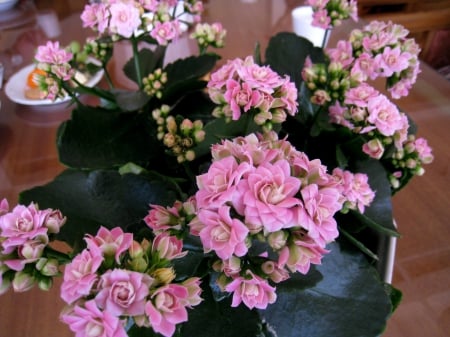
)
(134, 43)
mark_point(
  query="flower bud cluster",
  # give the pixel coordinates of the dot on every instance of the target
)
(115, 279)
(180, 135)
(326, 83)
(25, 233)
(241, 87)
(409, 160)
(154, 83)
(330, 13)
(209, 35)
(99, 49)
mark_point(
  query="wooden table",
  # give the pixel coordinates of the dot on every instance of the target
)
(28, 158)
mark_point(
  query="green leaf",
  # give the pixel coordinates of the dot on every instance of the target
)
(100, 138)
(131, 100)
(148, 61)
(185, 75)
(98, 198)
(348, 301)
(212, 318)
(286, 54)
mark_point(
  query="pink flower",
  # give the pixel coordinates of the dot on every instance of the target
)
(80, 275)
(54, 220)
(95, 16)
(192, 285)
(222, 233)
(240, 95)
(168, 246)
(167, 308)
(165, 32)
(374, 148)
(52, 54)
(259, 77)
(125, 19)
(218, 185)
(23, 223)
(321, 205)
(424, 151)
(161, 219)
(321, 19)
(269, 196)
(4, 206)
(360, 95)
(342, 54)
(253, 290)
(384, 115)
(110, 243)
(393, 61)
(89, 320)
(299, 255)
(123, 292)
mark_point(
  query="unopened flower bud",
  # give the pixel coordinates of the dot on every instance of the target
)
(277, 240)
(22, 282)
(45, 283)
(48, 267)
(163, 275)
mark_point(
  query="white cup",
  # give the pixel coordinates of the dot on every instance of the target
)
(48, 21)
(302, 25)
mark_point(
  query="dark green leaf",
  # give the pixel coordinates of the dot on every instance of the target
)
(287, 52)
(185, 75)
(131, 100)
(99, 138)
(98, 198)
(349, 301)
(148, 61)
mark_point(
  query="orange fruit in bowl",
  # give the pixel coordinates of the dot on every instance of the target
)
(33, 79)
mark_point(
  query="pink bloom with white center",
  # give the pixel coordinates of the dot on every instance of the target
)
(355, 189)
(269, 196)
(112, 242)
(252, 290)
(168, 246)
(164, 32)
(123, 292)
(374, 148)
(167, 308)
(289, 95)
(259, 77)
(240, 95)
(192, 285)
(223, 234)
(22, 224)
(360, 95)
(161, 219)
(80, 275)
(384, 115)
(393, 61)
(125, 19)
(321, 19)
(95, 16)
(423, 150)
(338, 115)
(367, 65)
(401, 88)
(342, 54)
(228, 71)
(51, 53)
(89, 320)
(321, 205)
(300, 254)
(218, 185)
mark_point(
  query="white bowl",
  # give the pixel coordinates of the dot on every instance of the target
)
(7, 4)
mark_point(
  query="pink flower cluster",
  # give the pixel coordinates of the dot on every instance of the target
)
(382, 50)
(330, 13)
(241, 86)
(25, 233)
(125, 18)
(366, 111)
(55, 61)
(116, 279)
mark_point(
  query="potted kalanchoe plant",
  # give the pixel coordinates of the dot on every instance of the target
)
(233, 201)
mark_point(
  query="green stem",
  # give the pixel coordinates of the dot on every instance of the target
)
(134, 43)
